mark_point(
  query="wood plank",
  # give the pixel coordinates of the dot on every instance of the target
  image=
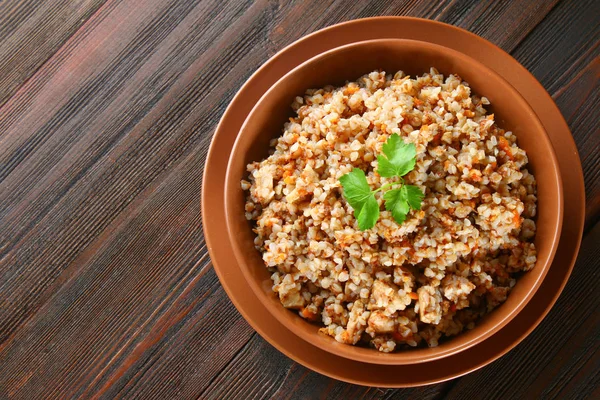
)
(31, 32)
(579, 102)
(259, 371)
(559, 359)
(562, 44)
(86, 167)
(289, 20)
(113, 322)
(209, 337)
(503, 23)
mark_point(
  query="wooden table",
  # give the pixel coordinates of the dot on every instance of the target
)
(107, 109)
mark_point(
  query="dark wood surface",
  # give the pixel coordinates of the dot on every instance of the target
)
(107, 109)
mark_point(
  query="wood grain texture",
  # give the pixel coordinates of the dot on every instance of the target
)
(31, 32)
(505, 23)
(579, 101)
(247, 376)
(562, 44)
(107, 109)
(87, 177)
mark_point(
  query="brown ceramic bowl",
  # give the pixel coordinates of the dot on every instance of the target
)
(331, 365)
(349, 62)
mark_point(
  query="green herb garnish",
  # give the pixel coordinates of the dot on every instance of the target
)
(358, 193)
(398, 159)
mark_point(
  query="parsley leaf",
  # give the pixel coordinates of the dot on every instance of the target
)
(359, 195)
(356, 187)
(398, 157)
(414, 196)
(368, 215)
(395, 201)
(400, 201)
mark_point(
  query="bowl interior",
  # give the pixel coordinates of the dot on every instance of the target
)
(347, 63)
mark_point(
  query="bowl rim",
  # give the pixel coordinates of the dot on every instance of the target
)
(418, 355)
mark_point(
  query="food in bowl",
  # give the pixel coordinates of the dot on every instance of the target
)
(425, 267)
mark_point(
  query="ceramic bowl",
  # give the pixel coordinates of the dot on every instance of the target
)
(347, 63)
